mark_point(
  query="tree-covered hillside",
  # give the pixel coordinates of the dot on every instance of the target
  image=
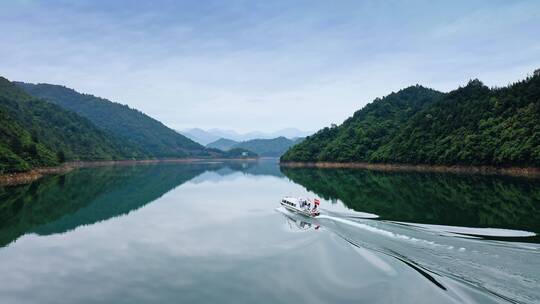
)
(222, 144)
(38, 133)
(473, 125)
(148, 134)
(274, 147)
(359, 137)
(18, 150)
(240, 153)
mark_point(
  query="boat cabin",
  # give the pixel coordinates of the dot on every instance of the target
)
(288, 201)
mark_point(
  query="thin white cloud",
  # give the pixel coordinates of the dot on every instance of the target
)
(307, 65)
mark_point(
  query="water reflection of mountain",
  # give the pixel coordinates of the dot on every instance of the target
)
(446, 199)
(60, 203)
(57, 204)
(260, 167)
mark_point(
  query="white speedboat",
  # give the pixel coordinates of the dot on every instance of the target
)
(302, 206)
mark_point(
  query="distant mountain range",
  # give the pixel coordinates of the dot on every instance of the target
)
(274, 147)
(472, 125)
(44, 125)
(204, 137)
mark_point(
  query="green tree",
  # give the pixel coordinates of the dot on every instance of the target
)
(61, 156)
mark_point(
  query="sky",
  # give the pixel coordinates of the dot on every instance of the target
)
(264, 65)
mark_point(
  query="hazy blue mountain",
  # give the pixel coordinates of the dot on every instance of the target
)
(199, 135)
(222, 144)
(205, 137)
(148, 134)
(274, 147)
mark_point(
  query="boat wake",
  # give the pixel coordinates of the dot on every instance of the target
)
(467, 267)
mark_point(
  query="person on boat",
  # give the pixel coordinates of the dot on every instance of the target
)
(305, 204)
(316, 204)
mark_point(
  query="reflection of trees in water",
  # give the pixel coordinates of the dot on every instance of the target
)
(447, 199)
(57, 204)
(260, 167)
(299, 224)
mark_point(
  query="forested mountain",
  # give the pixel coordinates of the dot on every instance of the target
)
(34, 133)
(222, 144)
(131, 125)
(239, 153)
(473, 125)
(274, 147)
(18, 150)
(359, 137)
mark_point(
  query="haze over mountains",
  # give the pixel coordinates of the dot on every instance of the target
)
(45, 125)
(204, 137)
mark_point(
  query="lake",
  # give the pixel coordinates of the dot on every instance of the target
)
(214, 233)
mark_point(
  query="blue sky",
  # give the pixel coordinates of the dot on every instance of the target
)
(264, 65)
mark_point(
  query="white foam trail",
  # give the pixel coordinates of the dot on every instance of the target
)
(474, 231)
(377, 230)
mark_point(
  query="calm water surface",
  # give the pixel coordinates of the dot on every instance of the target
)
(213, 233)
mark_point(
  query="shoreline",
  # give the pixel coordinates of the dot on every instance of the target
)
(99, 163)
(20, 178)
(531, 172)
